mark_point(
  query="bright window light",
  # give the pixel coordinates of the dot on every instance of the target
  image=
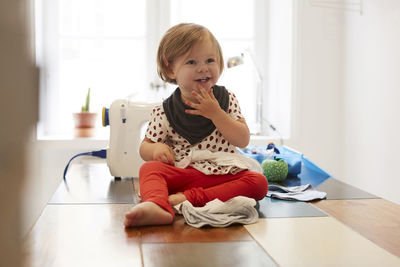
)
(110, 46)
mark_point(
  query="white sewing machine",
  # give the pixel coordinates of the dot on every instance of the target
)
(126, 120)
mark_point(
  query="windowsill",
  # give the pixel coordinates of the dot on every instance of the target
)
(69, 142)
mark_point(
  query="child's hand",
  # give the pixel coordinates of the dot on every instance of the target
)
(208, 105)
(164, 153)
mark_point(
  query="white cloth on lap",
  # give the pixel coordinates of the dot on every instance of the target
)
(221, 159)
(219, 214)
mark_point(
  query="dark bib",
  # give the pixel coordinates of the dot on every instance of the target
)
(193, 128)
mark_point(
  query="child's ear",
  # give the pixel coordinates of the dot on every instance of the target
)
(171, 74)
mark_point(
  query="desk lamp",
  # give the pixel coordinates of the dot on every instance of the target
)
(239, 60)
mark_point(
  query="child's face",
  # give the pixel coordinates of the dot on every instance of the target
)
(197, 68)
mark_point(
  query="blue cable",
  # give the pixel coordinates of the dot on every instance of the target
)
(98, 153)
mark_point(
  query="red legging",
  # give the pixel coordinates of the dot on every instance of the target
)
(159, 180)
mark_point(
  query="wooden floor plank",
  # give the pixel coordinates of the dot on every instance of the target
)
(376, 219)
(93, 184)
(179, 231)
(317, 241)
(82, 235)
(216, 254)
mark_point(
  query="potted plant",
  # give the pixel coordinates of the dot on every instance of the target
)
(85, 120)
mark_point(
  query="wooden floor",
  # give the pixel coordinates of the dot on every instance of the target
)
(84, 227)
(376, 219)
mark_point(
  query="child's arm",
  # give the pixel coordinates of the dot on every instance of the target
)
(156, 151)
(235, 131)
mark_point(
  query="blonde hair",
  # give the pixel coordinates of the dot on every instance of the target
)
(177, 41)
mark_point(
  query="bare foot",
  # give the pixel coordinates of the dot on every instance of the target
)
(147, 213)
(177, 198)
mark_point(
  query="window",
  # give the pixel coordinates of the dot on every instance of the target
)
(235, 29)
(110, 46)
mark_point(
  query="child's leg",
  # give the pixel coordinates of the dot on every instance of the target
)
(155, 207)
(147, 213)
(224, 187)
(158, 181)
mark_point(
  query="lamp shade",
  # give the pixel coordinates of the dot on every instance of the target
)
(235, 61)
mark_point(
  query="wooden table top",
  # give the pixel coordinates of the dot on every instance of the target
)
(81, 232)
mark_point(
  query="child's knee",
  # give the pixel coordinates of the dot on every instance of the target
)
(150, 166)
(261, 186)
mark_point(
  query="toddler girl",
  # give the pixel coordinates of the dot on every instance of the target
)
(198, 117)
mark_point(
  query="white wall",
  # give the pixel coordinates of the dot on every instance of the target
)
(348, 93)
(317, 95)
(372, 99)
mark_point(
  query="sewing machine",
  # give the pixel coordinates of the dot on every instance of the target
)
(126, 120)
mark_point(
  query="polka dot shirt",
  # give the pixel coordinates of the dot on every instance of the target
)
(160, 130)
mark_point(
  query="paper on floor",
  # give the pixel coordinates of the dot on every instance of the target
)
(299, 193)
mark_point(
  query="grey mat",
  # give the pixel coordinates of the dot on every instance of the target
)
(93, 183)
(336, 189)
(244, 253)
(276, 208)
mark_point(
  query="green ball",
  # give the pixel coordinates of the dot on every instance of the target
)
(275, 170)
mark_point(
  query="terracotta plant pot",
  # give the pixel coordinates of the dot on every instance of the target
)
(84, 124)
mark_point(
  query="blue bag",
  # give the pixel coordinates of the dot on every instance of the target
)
(260, 153)
(293, 158)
